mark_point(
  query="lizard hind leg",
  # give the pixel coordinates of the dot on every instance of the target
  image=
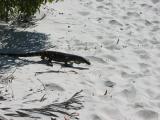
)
(42, 57)
(49, 62)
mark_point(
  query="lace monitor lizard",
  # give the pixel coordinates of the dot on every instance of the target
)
(52, 56)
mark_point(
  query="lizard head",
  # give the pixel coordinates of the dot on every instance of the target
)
(82, 60)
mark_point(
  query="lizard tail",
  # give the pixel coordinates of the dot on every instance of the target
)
(21, 54)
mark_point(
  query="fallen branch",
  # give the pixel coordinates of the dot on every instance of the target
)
(74, 103)
(8, 79)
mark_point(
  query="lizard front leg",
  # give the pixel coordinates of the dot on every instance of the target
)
(49, 62)
(68, 64)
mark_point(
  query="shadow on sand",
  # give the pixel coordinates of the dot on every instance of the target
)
(14, 41)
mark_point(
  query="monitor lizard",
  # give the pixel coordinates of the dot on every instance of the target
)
(52, 56)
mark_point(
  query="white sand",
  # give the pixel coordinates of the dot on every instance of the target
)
(121, 38)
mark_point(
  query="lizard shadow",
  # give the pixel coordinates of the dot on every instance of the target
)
(10, 62)
(79, 68)
(16, 41)
(45, 62)
(71, 66)
(49, 71)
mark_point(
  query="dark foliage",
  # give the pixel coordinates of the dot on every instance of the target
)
(21, 8)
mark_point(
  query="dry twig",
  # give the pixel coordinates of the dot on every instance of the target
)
(74, 103)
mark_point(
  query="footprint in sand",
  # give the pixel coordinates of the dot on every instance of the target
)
(95, 117)
(147, 23)
(99, 0)
(129, 93)
(143, 65)
(100, 7)
(109, 83)
(53, 86)
(142, 54)
(133, 14)
(145, 68)
(84, 13)
(155, 1)
(115, 22)
(99, 37)
(147, 115)
(146, 6)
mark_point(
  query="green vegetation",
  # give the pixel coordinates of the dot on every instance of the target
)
(23, 9)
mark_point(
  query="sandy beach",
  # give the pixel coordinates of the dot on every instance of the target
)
(121, 39)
